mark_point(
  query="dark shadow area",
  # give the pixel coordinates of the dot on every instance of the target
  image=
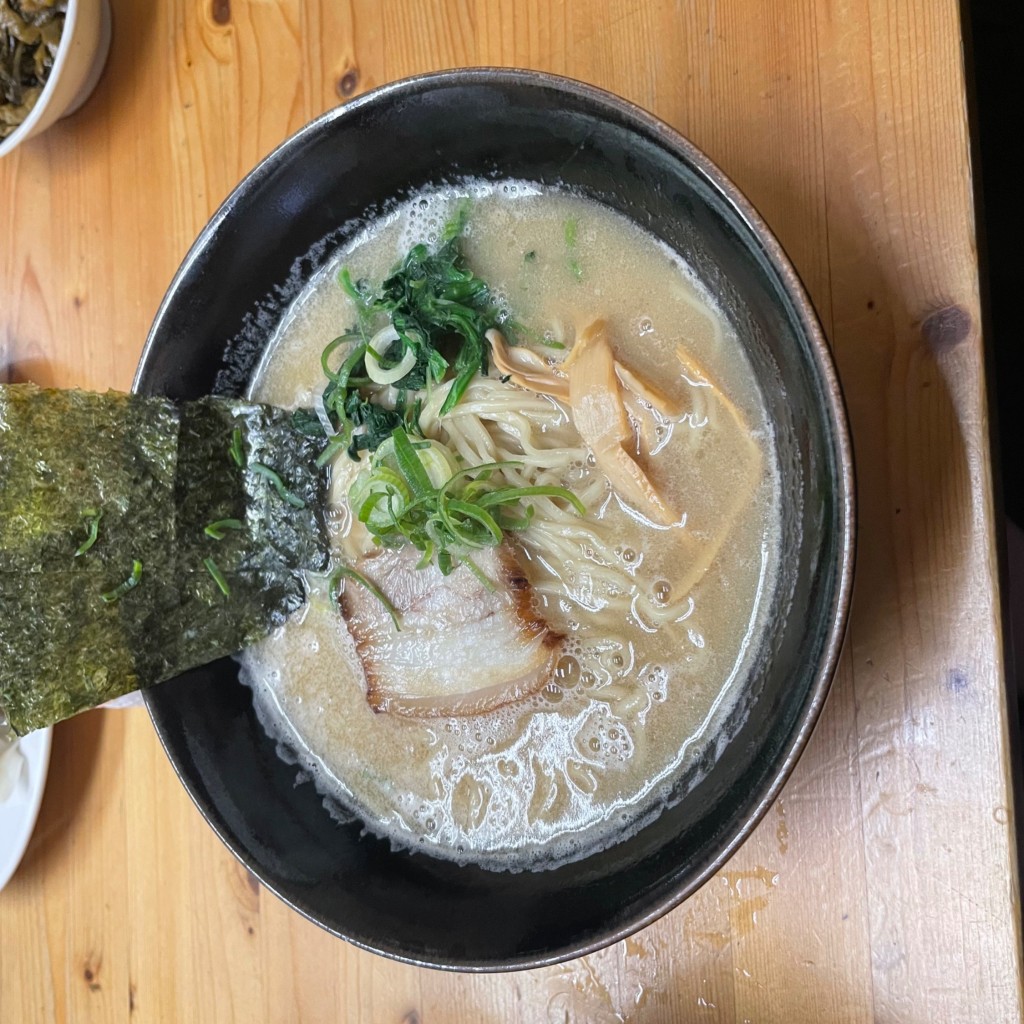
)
(14, 370)
(994, 58)
(994, 31)
(76, 744)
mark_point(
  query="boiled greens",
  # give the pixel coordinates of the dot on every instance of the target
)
(30, 32)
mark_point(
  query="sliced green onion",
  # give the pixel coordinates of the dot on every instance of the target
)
(482, 471)
(456, 224)
(477, 515)
(237, 455)
(507, 494)
(129, 584)
(337, 444)
(348, 364)
(434, 457)
(218, 576)
(401, 500)
(410, 465)
(507, 522)
(345, 280)
(344, 572)
(279, 485)
(478, 573)
(571, 235)
(428, 554)
(455, 392)
(216, 530)
(93, 518)
(380, 343)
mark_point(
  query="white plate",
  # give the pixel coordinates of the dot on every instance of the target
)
(19, 811)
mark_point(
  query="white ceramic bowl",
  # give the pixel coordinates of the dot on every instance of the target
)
(19, 811)
(84, 45)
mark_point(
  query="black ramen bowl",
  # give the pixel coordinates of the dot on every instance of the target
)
(274, 231)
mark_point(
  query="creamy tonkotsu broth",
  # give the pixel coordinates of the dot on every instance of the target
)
(662, 623)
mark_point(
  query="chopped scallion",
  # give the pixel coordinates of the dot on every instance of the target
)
(218, 577)
(279, 485)
(572, 226)
(344, 572)
(236, 452)
(400, 503)
(129, 584)
(334, 447)
(92, 517)
(216, 530)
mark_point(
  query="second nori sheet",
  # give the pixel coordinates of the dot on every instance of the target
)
(160, 474)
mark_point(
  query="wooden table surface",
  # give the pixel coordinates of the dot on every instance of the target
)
(882, 886)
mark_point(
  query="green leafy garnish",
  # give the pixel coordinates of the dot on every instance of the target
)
(92, 517)
(306, 422)
(235, 451)
(378, 421)
(410, 466)
(440, 311)
(352, 360)
(218, 576)
(356, 294)
(30, 34)
(344, 572)
(335, 446)
(533, 335)
(216, 530)
(434, 301)
(129, 584)
(279, 485)
(571, 233)
(415, 495)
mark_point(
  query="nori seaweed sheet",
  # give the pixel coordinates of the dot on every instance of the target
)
(65, 452)
(160, 474)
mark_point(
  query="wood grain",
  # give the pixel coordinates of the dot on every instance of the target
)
(882, 886)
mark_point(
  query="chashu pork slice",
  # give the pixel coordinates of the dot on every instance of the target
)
(463, 649)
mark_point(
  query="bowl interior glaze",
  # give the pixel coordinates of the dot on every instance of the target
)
(272, 233)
